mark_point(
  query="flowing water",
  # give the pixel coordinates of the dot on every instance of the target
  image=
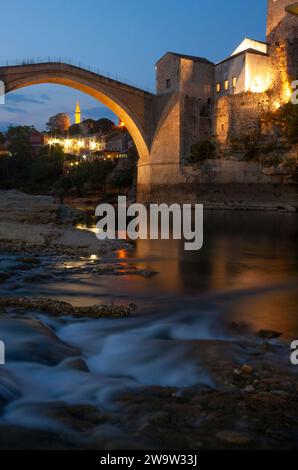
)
(246, 273)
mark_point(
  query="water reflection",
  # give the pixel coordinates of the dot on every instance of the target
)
(248, 266)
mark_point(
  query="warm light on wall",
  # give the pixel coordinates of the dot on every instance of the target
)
(258, 85)
(287, 92)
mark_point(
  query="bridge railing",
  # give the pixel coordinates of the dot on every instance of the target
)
(62, 60)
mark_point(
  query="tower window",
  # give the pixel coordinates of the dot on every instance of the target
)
(218, 87)
(226, 85)
(168, 83)
(234, 82)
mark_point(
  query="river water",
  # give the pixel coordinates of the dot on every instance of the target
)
(246, 273)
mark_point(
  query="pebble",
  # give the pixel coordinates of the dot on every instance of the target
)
(249, 389)
(269, 334)
(246, 369)
(233, 437)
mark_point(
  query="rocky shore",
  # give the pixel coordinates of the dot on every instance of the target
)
(98, 376)
(39, 224)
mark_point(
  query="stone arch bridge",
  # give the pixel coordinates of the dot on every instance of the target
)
(151, 119)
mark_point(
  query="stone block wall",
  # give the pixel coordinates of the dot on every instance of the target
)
(240, 115)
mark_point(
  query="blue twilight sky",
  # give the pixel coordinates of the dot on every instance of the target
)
(123, 37)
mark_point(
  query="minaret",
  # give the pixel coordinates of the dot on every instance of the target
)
(78, 113)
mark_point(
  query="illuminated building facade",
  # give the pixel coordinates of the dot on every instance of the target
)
(247, 69)
(227, 99)
(78, 146)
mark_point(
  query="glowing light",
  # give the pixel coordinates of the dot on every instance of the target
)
(288, 92)
(121, 124)
(93, 145)
(93, 257)
(121, 254)
(258, 85)
(276, 105)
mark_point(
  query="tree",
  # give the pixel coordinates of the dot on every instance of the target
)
(2, 139)
(59, 124)
(287, 118)
(104, 126)
(44, 170)
(18, 139)
(14, 170)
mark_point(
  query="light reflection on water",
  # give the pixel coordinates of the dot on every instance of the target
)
(246, 272)
(243, 251)
(248, 266)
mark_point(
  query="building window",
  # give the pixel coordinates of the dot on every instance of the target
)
(234, 82)
(218, 87)
(168, 83)
(226, 85)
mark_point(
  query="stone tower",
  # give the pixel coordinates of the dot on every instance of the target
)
(282, 36)
(282, 22)
(78, 113)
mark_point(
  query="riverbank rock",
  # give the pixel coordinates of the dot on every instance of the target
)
(58, 308)
(269, 334)
(232, 437)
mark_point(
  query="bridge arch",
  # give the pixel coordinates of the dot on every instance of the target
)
(132, 105)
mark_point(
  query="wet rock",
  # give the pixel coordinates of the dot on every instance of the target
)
(59, 308)
(22, 438)
(33, 342)
(146, 273)
(4, 277)
(233, 437)
(76, 363)
(29, 260)
(23, 267)
(249, 389)
(8, 388)
(246, 369)
(80, 418)
(103, 311)
(51, 306)
(269, 334)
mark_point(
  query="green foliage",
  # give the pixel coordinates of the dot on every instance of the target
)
(202, 150)
(18, 139)
(44, 170)
(2, 139)
(287, 118)
(58, 124)
(85, 177)
(104, 126)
